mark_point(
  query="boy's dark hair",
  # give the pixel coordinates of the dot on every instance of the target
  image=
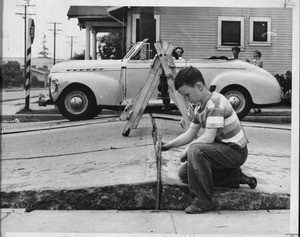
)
(188, 76)
(237, 48)
(178, 47)
(258, 53)
(174, 53)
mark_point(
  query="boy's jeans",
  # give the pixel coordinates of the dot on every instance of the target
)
(211, 164)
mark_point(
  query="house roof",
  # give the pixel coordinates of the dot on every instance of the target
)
(100, 18)
(87, 12)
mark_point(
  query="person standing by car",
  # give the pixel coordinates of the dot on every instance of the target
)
(177, 52)
(257, 58)
(257, 62)
(235, 51)
(219, 151)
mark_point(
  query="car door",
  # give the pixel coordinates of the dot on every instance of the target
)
(136, 74)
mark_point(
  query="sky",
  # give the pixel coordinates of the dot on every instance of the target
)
(46, 11)
(49, 11)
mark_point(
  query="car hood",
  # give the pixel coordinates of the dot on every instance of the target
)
(86, 65)
(218, 63)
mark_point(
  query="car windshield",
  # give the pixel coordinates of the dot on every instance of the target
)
(133, 51)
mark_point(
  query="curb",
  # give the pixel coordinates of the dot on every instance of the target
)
(121, 197)
(265, 117)
(224, 199)
(268, 119)
(31, 117)
(139, 197)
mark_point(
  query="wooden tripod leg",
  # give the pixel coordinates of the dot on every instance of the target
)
(163, 61)
(170, 71)
(180, 103)
(137, 108)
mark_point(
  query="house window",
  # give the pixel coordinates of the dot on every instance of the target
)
(230, 32)
(135, 29)
(260, 28)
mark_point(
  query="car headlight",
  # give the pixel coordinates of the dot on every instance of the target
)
(54, 85)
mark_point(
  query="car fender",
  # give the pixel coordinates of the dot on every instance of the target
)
(258, 84)
(107, 90)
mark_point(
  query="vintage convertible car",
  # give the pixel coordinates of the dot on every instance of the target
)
(81, 89)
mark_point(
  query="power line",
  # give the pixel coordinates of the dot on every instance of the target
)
(54, 33)
(71, 43)
(24, 15)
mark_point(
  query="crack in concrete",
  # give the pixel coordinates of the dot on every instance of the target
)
(7, 215)
(158, 163)
(71, 154)
(58, 125)
(174, 224)
(154, 129)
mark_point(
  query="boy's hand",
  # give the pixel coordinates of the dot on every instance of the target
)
(164, 146)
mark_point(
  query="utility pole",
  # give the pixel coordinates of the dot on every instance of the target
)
(54, 33)
(27, 81)
(71, 43)
(25, 14)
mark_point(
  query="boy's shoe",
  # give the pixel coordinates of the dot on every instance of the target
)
(253, 182)
(244, 179)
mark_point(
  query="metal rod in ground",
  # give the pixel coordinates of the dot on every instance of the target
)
(158, 159)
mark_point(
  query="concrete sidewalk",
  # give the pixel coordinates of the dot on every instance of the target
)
(112, 223)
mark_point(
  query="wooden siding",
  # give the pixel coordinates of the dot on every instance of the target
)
(196, 30)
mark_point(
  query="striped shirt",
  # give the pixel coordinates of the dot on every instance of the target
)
(218, 113)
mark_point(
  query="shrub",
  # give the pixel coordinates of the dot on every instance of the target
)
(285, 81)
(11, 74)
(112, 46)
(35, 82)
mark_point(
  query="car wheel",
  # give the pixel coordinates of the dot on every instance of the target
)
(78, 104)
(240, 100)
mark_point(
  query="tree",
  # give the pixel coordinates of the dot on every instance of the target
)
(79, 56)
(35, 82)
(44, 53)
(112, 46)
(12, 74)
